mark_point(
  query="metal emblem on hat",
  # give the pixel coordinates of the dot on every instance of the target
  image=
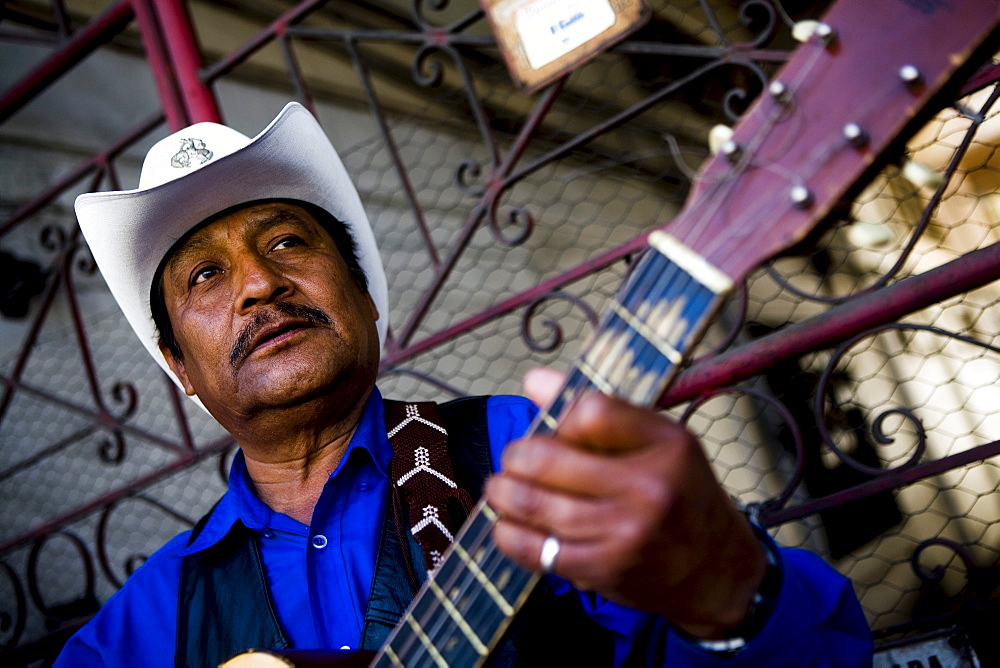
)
(192, 152)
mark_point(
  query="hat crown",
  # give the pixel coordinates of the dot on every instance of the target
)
(188, 150)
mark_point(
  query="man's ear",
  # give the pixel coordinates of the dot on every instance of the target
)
(371, 304)
(177, 366)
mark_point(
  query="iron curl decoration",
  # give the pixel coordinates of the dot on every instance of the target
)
(757, 509)
(13, 624)
(556, 331)
(427, 69)
(466, 174)
(747, 12)
(85, 260)
(518, 218)
(918, 228)
(132, 561)
(878, 431)
(112, 450)
(937, 573)
(420, 18)
(89, 597)
(53, 238)
(742, 95)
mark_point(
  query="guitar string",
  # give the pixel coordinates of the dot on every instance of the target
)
(638, 288)
(645, 347)
(707, 214)
(452, 577)
(726, 182)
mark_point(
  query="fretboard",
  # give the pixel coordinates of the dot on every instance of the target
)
(642, 339)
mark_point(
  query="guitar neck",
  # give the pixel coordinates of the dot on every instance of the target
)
(642, 338)
(845, 99)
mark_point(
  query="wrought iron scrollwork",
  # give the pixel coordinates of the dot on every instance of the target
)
(879, 433)
(552, 326)
(12, 623)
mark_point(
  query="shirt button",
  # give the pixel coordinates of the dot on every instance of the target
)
(268, 533)
(319, 541)
(363, 487)
(345, 647)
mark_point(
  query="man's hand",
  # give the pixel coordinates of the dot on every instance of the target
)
(636, 508)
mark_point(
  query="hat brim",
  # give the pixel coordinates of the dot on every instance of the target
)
(130, 232)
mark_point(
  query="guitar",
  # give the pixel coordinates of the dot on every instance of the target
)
(867, 79)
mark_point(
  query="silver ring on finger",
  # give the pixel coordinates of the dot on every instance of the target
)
(550, 550)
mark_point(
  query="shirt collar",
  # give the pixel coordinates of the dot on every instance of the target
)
(242, 503)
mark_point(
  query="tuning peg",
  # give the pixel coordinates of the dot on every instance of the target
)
(717, 136)
(803, 31)
(921, 175)
(870, 235)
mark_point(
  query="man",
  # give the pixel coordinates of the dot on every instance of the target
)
(249, 271)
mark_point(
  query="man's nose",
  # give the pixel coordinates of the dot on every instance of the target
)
(261, 281)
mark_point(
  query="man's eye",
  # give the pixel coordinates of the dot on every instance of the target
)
(204, 274)
(287, 242)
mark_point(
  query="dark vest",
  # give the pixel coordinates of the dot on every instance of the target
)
(224, 605)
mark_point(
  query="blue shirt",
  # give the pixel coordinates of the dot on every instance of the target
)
(319, 576)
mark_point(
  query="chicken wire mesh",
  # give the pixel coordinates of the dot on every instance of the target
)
(103, 462)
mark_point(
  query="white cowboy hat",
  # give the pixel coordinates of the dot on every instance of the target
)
(203, 170)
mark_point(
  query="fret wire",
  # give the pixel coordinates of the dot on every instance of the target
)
(650, 364)
(499, 600)
(480, 520)
(426, 642)
(645, 288)
(655, 288)
(392, 656)
(480, 534)
(477, 531)
(646, 333)
(470, 634)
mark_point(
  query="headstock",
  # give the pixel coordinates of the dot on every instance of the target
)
(864, 82)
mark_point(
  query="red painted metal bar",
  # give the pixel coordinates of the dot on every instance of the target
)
(86, 40)
(887, 481)
(517, 301)
(185, 56)
(258, 41)
(160, 67)
(840, 323)
(987, 76)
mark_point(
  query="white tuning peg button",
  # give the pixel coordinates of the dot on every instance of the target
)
(802, 31)
(717, 136)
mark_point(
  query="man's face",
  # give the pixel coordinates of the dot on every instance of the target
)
(267, 314)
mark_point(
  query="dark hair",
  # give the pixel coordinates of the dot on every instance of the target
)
(337, 230)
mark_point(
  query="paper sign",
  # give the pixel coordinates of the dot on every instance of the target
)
(551, 28)
(542, 40)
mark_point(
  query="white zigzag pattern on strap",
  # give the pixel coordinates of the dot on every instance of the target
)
(431, 517)
(423, 457)
(413, 415)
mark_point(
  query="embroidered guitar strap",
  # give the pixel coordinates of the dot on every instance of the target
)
(422, 472)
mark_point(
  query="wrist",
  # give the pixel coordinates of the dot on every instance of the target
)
(728, 639)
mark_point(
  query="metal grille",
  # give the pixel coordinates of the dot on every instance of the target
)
(505, 221)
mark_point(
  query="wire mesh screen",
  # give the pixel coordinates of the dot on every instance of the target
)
(505, 222)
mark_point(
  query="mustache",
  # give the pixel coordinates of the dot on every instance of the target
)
(261, 319)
